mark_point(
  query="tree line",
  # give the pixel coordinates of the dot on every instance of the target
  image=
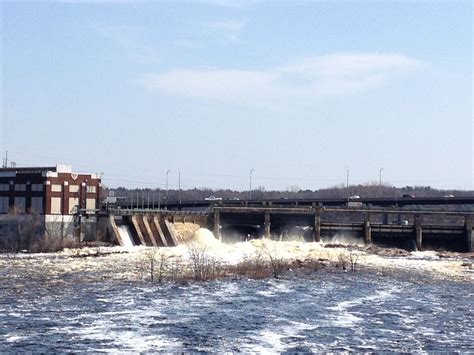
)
(370, 190)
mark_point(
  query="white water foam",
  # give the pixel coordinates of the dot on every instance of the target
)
(344, 239)
(345, 318)
(272, 340)
(125, 235)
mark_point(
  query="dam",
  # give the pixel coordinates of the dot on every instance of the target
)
(411, 229)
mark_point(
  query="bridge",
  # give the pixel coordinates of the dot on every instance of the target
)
(327, 202)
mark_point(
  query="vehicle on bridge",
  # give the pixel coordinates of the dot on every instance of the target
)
(353, 201)
(213, 198)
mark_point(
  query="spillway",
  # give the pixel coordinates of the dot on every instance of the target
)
(125, 235)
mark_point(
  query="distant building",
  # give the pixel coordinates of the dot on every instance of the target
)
(57, 193)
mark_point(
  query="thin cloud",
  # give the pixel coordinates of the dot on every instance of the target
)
(227, 31)
(303, 80)
(128, 40)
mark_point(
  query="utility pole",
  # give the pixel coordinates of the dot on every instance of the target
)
(179, 187)
(347, 177)
(250, 191)
(5, 160)
(167, 173)
(380, 182)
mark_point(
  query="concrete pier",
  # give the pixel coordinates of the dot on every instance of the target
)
(418, 232)
(149, 230)
(145, 231)
(169, 233)
(317, 227)
(267, 225)
(367, 230)
(114, 230)
(136, 227)
(469, 230)
(160, 235)
(217, 226)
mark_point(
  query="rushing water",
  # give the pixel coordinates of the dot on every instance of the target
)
(125, 235)
(317, 312)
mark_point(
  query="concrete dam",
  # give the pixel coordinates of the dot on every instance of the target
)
(149, 228)
(406, 229)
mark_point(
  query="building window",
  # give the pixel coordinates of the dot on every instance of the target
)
(4, 187)
(20, 187)
(4, 205)
(73, 188)
(36, 187)
(20, 203)
(73, 204)
(90, 204)
(37, 205)
(91, 189)
(56, 205)
(56, 188)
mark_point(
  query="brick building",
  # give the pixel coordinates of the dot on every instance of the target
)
(57, 193)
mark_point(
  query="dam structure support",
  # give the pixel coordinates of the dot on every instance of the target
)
(367, 230)
(148, 228)
(385, 227)
(469, 226)
(420, 229)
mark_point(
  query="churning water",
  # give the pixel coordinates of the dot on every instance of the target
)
(336, 312)
(125, 235)
(62, 302)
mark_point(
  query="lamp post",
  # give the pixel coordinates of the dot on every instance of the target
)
(167, 173)
(159, 198)
(380, 182)
(179, 186)
(347, 177)
(250, 191)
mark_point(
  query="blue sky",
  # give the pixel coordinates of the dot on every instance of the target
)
(300, 91)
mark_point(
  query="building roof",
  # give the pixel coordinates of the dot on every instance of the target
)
(44, 170)
(32, 169)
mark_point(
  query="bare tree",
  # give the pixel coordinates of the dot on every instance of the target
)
(353, 258)
(277, 263)
(348, 258)
(203, 265)
(153, 264)
(343, 260)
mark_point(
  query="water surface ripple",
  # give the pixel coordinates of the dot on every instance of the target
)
(321, 312)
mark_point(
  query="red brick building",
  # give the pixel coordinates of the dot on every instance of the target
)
(48, 191)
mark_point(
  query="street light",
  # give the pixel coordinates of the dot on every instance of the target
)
(347, 177)
(380, 182)
(250, 194)
(179, 186)
(167, 173)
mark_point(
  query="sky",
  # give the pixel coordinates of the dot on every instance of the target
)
(302, 92)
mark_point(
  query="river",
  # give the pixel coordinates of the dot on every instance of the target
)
(61, 303)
